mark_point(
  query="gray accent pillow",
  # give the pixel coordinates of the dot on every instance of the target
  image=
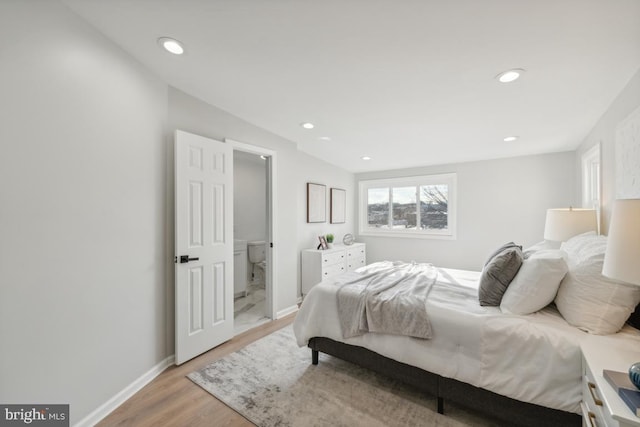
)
(498, 272)
(500, 249)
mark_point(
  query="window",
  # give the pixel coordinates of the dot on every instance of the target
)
(591, 180)
(417, 206)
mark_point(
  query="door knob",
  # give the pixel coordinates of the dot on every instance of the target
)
(185, 258)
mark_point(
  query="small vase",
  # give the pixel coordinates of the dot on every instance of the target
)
(330, 245)
(634, 374)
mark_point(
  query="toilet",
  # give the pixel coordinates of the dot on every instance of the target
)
(257, 258)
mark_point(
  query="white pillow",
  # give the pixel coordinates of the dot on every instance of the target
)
(536, 284)
(594, 303)
(583, 247)
(543, 245)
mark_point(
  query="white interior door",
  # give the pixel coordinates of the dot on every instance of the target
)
(204, 244)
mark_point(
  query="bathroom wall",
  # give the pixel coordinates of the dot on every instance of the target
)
(249, 197)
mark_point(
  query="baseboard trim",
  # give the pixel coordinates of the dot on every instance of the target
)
(106, 408)
(287, 311)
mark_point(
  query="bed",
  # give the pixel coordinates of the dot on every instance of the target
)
(522, 368)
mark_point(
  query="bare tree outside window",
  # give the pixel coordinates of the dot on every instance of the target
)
(434, 203)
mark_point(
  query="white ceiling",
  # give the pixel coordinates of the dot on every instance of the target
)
(407, 82)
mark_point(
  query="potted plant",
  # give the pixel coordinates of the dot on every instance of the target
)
(329, 238)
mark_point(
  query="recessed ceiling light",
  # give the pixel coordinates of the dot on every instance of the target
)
(510, 138)
(263, 157)
(324, 138)
(307, 125)
(366, 158)
(510, 75)
(171, 45)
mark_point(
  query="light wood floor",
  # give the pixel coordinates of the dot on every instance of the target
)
(172, 399)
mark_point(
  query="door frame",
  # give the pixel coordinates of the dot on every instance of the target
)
(271, 272)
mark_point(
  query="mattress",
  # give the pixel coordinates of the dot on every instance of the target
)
(534, 358)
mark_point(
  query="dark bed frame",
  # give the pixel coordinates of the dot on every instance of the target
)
(512, 412)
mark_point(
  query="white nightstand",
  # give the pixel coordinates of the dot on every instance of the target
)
(601, 405)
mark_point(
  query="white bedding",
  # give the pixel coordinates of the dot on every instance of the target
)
(534, 358)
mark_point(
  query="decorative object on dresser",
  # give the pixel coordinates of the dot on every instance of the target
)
(617, 380)
(562, 224)
(318, 265)
(348, 239)
(338, 202)
(323, 243)
(631, 398)
(329, 238)
(316, 202)
(634, 374)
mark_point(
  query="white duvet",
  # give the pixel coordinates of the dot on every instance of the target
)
(534, 358)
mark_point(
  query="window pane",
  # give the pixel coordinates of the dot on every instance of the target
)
(434, 201)
(404, 207)
(378, 207)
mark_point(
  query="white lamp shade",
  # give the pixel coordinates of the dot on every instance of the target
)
(622, 258)
(562, 224)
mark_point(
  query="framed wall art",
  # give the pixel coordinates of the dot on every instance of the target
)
(338, 206)
(627, 154)
(316, 202)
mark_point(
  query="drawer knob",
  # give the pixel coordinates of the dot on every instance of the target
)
(592, 419)
(592, 388)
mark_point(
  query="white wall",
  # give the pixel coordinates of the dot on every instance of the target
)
(249, 197)
(498, 201)
(82, 212)
(604, 133)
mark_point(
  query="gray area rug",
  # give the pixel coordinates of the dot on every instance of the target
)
(272, 382)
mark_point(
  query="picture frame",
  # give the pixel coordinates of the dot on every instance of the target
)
(316, 202)
(627, 157)
(323, 243)
(338, 201)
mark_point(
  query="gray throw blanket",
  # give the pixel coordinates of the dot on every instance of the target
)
(387, 297)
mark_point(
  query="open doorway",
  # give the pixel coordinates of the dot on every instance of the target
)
(253, 230)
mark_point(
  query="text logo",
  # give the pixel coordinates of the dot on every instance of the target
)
(34, 415)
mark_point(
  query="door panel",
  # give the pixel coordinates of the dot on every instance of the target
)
(204, 225)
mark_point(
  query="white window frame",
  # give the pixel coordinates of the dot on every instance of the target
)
(591, 180)
(450, 179)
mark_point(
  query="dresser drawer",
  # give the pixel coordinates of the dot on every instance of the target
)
(592, 398)
(332, 270)
(357, 252)
(592, 402)
(353, 263)
(333, 258)
(589, 418)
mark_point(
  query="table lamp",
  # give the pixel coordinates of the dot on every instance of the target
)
(622, 257)
(562, 224)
